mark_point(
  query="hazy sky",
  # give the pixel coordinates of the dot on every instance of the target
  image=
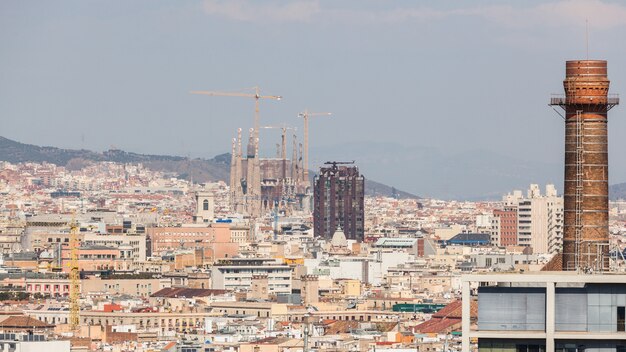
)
(456, 76)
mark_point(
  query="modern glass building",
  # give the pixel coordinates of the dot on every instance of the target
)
(547, 311)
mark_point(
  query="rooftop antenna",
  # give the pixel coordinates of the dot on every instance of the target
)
(587, 36)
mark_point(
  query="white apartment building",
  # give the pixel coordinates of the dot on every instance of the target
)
(11, 342)
(555, 225)
(539, 218)
(130, 245)
(237, 274)
(367, 269)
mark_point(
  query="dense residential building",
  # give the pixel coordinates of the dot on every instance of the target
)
(130, 245)
(117, 251)
(155, 270)
(217, 237)
(539, 218)
(339, 202)
(236, 274)
(555, 225)
(504, 227)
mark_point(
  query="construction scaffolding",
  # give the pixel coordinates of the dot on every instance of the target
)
(579, 189)
(74, 278)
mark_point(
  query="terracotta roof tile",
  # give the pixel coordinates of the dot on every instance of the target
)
(23, 321)
(446, 317)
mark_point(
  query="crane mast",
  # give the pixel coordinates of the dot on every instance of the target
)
(306, 115)
(256, 95)
(74, 278)
(282, 152)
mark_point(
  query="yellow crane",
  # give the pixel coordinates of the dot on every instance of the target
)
(306, 115)
(74, 278)
(256, 95)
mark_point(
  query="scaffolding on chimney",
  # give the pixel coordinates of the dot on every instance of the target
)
(579, 187)
(587, 244)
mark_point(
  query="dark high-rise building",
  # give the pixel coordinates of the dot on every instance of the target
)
(339, 202)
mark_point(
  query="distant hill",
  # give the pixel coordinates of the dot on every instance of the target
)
(373, 188)
(15, 152)
(201, 170)
(467, 175)
(617, 191)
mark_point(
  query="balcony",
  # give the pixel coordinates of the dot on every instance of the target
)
(561, 100)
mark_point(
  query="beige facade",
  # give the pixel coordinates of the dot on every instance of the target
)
(240, 235)
(259, 289)
(46, 240)
(274, 345)
(286, 312)
(310, 289)
(48, 287)
(136, 287)
(446, 233)
(350, 288)
(130, 245)
(260, 309)
(159, 322)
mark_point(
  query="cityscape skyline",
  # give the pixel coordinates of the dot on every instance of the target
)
(398, 176)
(128, 72)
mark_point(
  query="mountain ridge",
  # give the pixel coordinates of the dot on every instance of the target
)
(201, 170)
(617, 191)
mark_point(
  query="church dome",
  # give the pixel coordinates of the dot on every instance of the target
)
(339, 239)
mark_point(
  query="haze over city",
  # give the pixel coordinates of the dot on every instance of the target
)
(412, 87)
(312, 176)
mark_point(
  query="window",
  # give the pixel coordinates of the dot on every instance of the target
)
(205, 205)
(621, 318)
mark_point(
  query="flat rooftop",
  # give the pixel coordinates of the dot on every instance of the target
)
(547, 276)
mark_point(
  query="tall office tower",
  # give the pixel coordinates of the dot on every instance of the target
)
(339, 202)
(586, 103)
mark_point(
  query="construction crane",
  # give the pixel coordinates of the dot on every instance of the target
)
(284, 128)
(256, 95)
(283, 146)
(74, 277)
(306, 115)
(335, 163)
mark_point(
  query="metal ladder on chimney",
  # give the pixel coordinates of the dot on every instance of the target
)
(579, 187)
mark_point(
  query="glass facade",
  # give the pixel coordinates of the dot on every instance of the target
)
(511, 308)
(494, 345)
(593, 308)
